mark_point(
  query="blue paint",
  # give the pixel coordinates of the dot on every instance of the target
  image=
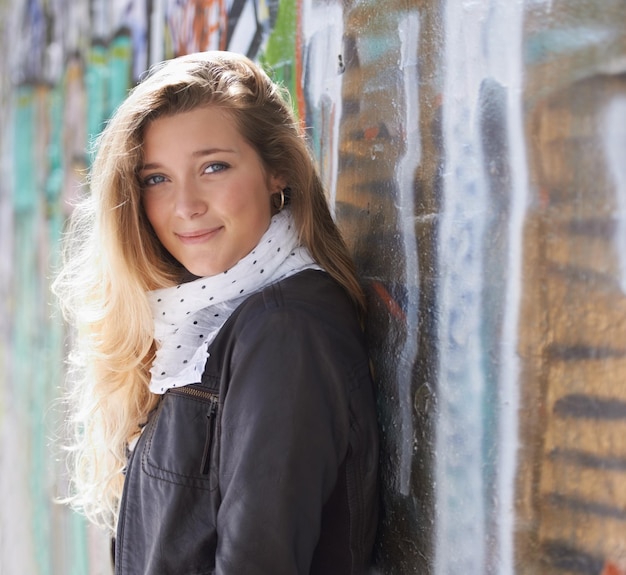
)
(545, 45)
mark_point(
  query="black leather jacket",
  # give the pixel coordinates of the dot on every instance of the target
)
(269, 466)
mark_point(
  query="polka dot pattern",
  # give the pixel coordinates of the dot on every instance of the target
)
(187, 317)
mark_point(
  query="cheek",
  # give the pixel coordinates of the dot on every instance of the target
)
(252, 206)
(154, 213)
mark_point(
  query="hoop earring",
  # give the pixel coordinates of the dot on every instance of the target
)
(282, 200)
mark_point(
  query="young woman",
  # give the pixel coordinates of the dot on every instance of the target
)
(223, 405)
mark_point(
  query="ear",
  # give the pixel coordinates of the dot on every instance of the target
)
(276, 184)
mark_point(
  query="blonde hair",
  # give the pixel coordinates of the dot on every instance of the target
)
(112, 256)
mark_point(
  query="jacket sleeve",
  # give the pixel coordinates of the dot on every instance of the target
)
(284, 434)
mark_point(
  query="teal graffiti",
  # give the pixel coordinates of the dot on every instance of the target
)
(107, 80)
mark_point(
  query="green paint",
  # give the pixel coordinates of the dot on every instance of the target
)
(70, 552)
(37, 343)
(29, 349)
(54, 182)
(120, 64)
(25, 170)
(280, 52)
(107, 80)
(96, 82)
(26, 361)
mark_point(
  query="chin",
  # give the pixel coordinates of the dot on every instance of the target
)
(202, 271)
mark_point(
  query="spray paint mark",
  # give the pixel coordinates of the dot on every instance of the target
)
(195, 26)
(460, 506)
(323, 37)
(511, 19)
(283, 52)
(409, 31)
(614, 145)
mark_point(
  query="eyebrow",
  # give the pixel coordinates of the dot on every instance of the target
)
(196, 154)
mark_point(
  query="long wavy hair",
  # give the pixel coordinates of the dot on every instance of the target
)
(112, 256)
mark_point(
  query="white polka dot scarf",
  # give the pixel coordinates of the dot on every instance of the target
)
(188, 316)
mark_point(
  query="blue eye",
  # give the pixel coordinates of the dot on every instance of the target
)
(215, 167)
(153, 180)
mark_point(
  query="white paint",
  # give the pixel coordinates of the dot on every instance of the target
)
(101, 21)
(245, 29)
(408, 32)
(157, 25)
(70, 21)
(134, 14)
(323, 29)
(180, 18)
(459, 489)
(615, 152)
(484, 42)
(508, 45)
(17, 551)
(16, 546)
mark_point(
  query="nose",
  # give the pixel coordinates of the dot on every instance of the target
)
(190, 202)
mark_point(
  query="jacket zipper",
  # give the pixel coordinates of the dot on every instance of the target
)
(213, 399)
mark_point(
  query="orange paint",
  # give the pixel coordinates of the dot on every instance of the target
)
(371, 133)
(392, 306)
(208, 21)
(611, 568)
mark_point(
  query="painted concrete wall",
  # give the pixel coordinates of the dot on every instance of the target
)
(475, 153)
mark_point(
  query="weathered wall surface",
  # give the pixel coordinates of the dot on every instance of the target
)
(474, 152)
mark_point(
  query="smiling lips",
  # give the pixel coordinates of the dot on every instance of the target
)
(199, 236)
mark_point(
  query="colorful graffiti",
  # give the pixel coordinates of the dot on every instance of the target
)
(474, 156)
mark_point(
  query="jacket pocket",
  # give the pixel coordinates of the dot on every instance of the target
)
(182, 446)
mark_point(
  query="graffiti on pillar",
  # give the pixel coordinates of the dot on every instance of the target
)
(132, 17)
(32, 45)
(196, 25)
(576, 476)
(376, 69)
(238, 25)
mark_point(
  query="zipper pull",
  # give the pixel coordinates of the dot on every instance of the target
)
(208, 443)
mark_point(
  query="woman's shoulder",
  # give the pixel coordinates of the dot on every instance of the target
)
(307, 311)
(308, 300)
(310, 292)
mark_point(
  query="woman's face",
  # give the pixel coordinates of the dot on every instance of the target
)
(205, 190)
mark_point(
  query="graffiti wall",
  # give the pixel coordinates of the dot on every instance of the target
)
(474, 153)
